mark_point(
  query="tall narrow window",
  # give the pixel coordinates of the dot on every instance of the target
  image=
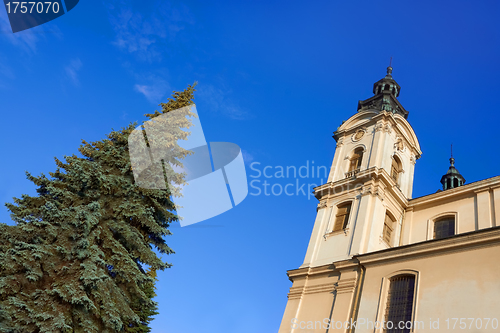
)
(399, 307)
(388, 227)
(342, 217)
(444, 227)
(356, 159)
(395, 168)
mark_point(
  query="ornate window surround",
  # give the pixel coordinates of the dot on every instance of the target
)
(430, 223)
(349, 157)
(384, 292)
(397, 159)
(333, 213)
(395, 228)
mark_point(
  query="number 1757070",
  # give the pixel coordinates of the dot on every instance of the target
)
(32, 7)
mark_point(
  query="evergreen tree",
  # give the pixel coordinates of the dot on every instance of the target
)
(143, 308)
(74, 260)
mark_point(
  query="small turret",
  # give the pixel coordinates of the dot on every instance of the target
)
(452, 178)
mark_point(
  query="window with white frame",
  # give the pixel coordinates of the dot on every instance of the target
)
(400, 302)
(396, 168)
(355, 160)
(388, 229)
(342, 216)
(444, 227)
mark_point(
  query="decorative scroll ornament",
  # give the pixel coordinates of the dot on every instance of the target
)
(340, 142)
(358, 135)
(321, 205)
(399, 145)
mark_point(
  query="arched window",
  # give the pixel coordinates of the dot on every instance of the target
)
(356, 159)
(400, 300)
(455, 182)
(388, 228)
(396, 168)
(342, 216)
(444, 227)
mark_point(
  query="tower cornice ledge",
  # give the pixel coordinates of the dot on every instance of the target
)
(368, 181)
(314, 271)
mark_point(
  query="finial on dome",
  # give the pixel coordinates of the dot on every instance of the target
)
(389, 69)
(452, 160)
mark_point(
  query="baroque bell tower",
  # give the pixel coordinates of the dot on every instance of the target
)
(361, 207)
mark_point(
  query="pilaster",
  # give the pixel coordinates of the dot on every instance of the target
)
(496, 205)
(484, 209)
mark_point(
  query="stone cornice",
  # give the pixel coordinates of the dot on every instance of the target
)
(374, 181)
(432, 248)
(346, 286)
(299, 272)
(295, 292)
(323, 269)
(342, 285)
(345, 264)
(479, 186)
(320, 288)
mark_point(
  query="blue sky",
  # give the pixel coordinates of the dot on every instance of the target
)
(275, 78)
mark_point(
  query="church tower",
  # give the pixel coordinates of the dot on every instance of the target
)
(377, 255)
(360, 207)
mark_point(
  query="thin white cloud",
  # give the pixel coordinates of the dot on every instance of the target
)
(72, 70)
(5, 73)
(153, 92)
(218, 101)
(134, 35)
(25, 39)
(143, 34)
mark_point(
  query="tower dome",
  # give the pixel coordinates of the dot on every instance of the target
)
(386, 91)
(387, 84)
(452, 178)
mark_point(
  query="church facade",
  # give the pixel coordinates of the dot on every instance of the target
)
(380, 261)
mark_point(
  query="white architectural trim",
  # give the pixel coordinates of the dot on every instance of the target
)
(384, 291)
(432, 220)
